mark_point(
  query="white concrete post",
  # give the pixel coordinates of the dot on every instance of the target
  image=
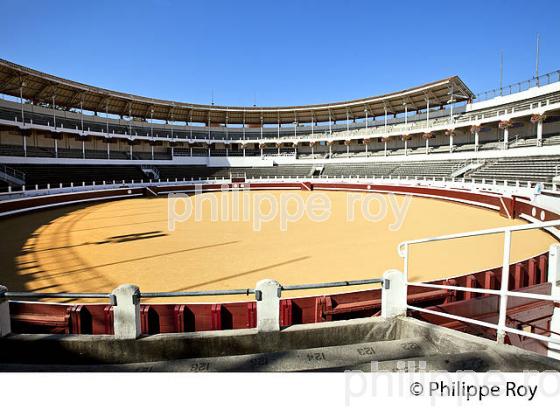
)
(539, 133)
(554, 279)
(476, 141)
(126, 314)
(393, 294)
(5, 326)
(268, 293)
(506, 138)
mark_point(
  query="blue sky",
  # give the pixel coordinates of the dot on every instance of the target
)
(279, 53)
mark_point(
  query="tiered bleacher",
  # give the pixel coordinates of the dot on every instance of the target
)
(533, 169)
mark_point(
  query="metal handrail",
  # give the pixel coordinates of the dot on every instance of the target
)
(491, 231)
(57, 295)
(224, 292)
(332, 284)
(503, 293)
(543, 79)
(249, 291)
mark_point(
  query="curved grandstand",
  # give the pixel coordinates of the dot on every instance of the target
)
(67, 144)
(49, 126)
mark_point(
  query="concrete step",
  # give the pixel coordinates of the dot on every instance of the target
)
(316, 359)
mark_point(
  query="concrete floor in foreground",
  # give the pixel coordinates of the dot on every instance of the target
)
(95, 248)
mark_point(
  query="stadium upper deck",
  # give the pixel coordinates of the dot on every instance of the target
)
(49, 117)
(41, 88)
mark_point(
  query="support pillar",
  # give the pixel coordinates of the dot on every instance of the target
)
(539, 133)
(476, 141)
(127, 312)
(506, 138)
(393, 294)
(268, 293)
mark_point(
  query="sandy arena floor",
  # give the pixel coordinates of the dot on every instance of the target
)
(95, 248)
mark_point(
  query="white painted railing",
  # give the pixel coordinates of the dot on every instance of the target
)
(502, 186)
(503, 293)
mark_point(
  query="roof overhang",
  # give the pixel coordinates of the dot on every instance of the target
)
(40, 87)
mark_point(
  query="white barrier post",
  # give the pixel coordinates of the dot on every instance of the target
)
(126, 313)
(268, 293)
(554, 279)
(393, 294)
(504, 286)
(5, 326)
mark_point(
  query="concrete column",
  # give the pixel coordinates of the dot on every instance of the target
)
(506, 138)
(539, 133)
(268, 293)
(393, 294)
(427, 146)
(476, 140)
(451, 142)
(127, 312)
(405, 147)
(554, 279)
(5, 325)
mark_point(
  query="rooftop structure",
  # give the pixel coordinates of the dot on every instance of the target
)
(39, 87)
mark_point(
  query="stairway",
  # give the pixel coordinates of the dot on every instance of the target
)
(150, 171)
(11, 176)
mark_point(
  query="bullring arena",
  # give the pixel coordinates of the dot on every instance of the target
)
(150, 235)
(96, 247)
